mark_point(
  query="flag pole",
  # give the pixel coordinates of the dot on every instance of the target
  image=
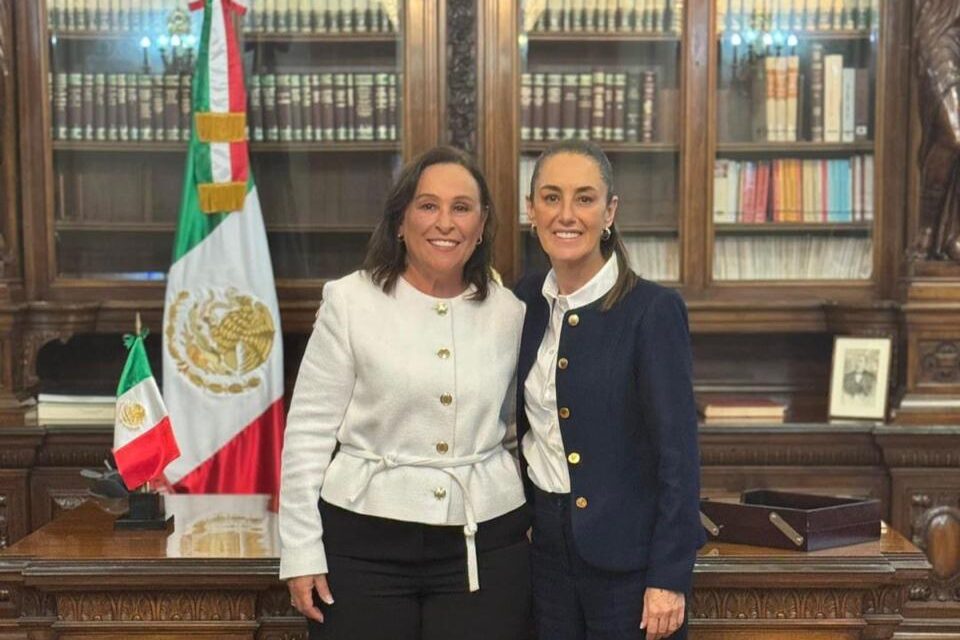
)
(137, 328)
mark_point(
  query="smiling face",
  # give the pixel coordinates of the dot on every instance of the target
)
(443, 223)
(570, 210)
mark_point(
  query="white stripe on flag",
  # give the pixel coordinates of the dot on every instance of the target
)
(131, 423)
(220, 163)
(219, 78)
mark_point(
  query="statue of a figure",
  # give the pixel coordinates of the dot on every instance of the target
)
(937, 42)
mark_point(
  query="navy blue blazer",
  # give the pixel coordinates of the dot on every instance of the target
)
(625, 405)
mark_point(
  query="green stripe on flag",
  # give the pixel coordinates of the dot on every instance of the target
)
(137, 368)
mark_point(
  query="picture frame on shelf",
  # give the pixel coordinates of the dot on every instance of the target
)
(859, 378)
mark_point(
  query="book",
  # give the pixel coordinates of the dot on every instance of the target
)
(816, 92)
(569, 98)
(742, 407)
(832, 97)
(526, 106)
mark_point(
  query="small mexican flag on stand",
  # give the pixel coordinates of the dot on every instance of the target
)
(143, 440)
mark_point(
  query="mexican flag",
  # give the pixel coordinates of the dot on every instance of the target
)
(222, 352)
(143, 440)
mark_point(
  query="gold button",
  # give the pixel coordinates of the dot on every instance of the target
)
(446, 399)
(443, 353)
(562, 363)
(442, 447)
(439, 493)
(564, 413)
(441, 308)
(581, 503)
(573, 458)
(573, 320)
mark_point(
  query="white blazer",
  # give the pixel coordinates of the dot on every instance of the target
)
(420, 393)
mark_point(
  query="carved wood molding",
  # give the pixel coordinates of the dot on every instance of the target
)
(922, 457)
(34, 603)
(461, 74)
(86, 455)
(275, 603)
(4, 524)
(715, 454)
(47, 322)
(936, 530)
(776, 604)
(939, 361)
(194, 606)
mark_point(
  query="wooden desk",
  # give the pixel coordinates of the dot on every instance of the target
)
(214, 577)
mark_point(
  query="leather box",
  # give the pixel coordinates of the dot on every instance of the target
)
(786, 520)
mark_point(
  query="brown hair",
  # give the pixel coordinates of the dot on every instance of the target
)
(387, 255)
(626, 278)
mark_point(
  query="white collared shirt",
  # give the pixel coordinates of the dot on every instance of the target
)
(543, 444)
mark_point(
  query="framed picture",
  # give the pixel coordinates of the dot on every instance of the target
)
(859, 378)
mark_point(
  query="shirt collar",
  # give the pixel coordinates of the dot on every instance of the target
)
(596, 288)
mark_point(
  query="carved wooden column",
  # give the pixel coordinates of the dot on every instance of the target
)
(931, 285)
(924, 464)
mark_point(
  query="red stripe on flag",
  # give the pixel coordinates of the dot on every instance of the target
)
(196, 4)
(237, 99)
(249, 463)
(145, 458)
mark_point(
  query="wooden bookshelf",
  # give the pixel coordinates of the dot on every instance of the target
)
(88, 226)
(826, 36)
(610, 147)
(252, 37)
(610, 37)
(255, 147)
(800, 147)
(789, 227)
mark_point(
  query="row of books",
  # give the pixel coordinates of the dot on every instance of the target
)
(121, 106)
(797, 15)
(654, 257)
(110, 15)
(322, 16)
(590, 105)
(359, 106)
(838, 98)
(792, 190)
(605, 16)
(792, 257)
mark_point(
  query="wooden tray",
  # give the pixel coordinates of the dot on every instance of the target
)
(785, 520)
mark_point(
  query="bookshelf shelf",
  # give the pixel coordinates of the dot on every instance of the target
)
(611, 37)
(784, 227)
(633, 228)
(610, 147)
(251, 37)
(255, 147)
(798, 147)
(88, 226)
(836, 36)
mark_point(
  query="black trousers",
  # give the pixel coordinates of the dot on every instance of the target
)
(395, 580)
(573, 600)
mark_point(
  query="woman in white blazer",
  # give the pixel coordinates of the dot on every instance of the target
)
(402, 511)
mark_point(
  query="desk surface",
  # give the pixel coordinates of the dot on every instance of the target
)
(215, 571)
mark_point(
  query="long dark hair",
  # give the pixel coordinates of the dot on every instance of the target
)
(626, 278)
(387, 255)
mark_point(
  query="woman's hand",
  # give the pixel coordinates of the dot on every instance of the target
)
(301, 594)
(662, 612)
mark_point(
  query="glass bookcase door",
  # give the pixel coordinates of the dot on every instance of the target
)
(324, 78)
(323, 81)
(609, 71)
(793, 191)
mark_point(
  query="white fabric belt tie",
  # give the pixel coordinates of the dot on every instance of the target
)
(446, 465)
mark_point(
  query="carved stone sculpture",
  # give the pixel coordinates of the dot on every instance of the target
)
(937, 43)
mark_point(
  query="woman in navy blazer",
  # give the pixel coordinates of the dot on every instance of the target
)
(608, 426)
